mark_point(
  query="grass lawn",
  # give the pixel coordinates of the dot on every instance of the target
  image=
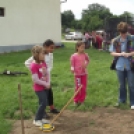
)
(101, 91)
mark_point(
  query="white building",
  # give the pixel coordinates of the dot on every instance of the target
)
(24, 23)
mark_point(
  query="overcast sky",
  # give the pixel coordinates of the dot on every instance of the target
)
(116, 6)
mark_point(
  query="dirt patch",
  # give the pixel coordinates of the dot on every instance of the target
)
(99, 121)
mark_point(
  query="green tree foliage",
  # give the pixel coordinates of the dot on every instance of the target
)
(95, 23)
(68, 18)
(112, 21)
(77, 24)
(94, 16)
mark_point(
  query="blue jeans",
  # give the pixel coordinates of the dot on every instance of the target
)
(126, 77)
(42, 96)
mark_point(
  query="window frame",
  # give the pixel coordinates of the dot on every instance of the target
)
(2, 12)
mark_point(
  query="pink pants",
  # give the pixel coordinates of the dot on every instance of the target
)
(80, 80)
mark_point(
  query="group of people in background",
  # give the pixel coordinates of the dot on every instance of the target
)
(97, 39)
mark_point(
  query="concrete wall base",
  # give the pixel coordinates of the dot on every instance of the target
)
(16, 48)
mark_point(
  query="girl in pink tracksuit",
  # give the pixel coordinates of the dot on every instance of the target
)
(79, 63)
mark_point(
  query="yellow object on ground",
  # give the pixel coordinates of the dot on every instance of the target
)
(47, 127)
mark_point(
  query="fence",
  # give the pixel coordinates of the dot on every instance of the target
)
(110, 25)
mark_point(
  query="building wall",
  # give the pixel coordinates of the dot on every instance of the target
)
(29, 22)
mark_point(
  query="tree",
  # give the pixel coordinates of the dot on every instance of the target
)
(77, 24)
(67, 18)
(93, 17)
(95, 23)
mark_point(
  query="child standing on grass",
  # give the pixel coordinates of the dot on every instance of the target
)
(48, 46)
(79, 63)
(41, 83)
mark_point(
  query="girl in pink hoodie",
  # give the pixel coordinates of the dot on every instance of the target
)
(79, 63)
(41, 83)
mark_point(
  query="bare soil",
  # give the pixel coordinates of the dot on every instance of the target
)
(98, 121)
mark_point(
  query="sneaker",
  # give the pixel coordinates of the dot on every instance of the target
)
(132, 107)
(54, 111)
(45, 121)
(38, 123)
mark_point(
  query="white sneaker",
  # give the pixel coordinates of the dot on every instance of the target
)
(38, 123)
(132, 107)
(45, 121)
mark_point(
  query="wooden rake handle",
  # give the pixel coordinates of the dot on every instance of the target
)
(66, 105)
(21, 109)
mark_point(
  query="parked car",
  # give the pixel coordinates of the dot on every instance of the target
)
(73, 36)
(100, 32)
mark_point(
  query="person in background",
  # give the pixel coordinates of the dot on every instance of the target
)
(100, 41)
(105, 41)
(90, 38)
(94, 41)
(87, 40)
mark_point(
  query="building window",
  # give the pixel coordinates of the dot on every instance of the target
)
(2, 13)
